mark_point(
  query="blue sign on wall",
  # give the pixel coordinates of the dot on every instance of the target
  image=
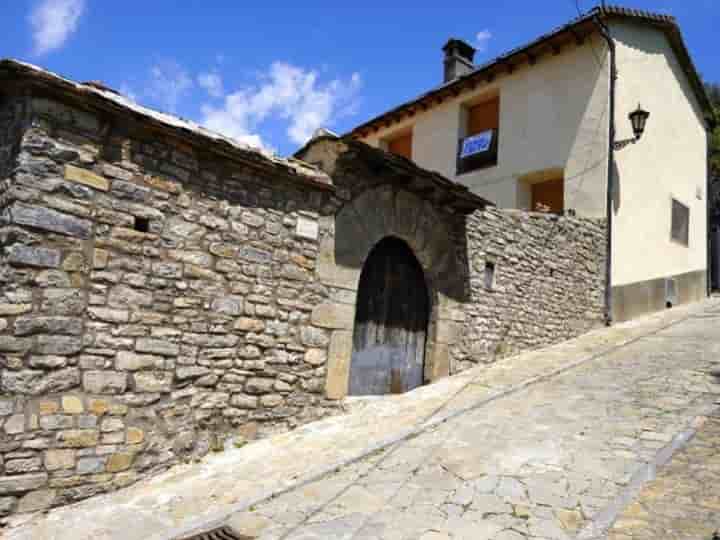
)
(476, 144)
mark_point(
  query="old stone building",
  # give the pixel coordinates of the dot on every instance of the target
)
(164, 288)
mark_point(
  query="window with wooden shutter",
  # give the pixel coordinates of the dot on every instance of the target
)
(484, 116)
(401, 145)
(479, 148)
(548, 196)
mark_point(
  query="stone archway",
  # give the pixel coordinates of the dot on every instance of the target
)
(358, 227)
(391, 320)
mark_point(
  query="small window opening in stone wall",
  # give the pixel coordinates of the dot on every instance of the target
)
(142, 224)
(489, 275)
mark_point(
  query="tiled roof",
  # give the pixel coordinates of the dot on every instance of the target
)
(577, 29)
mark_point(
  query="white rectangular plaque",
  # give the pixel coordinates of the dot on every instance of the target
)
(307, 228)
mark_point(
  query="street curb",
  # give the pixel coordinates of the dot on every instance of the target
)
(604, 520)
(218, 519)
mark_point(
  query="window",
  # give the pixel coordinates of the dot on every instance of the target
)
(142, 224)
(548, 196)
(489, 275)
(680, 227)
(401, 145)
(483, 117)
(478, 148)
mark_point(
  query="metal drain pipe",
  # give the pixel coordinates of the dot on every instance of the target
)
(605, 33)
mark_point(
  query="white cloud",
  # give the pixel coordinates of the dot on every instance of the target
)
(212, 83)
(169, 83)
(53, 21)
(291, 93)
(482, 38)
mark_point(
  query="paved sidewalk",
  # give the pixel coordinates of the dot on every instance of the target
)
(531, 446)
(683, 502)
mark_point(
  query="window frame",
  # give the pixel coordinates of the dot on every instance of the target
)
(675, 234)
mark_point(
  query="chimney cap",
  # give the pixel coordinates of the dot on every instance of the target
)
(460, 47)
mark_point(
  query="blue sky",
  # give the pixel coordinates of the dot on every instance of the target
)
(269, 73)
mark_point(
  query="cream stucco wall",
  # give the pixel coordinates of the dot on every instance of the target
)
(669, 161)
(553, 117)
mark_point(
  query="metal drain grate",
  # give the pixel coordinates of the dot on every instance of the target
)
(221, 533)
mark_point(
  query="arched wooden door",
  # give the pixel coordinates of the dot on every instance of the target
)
(391, 322)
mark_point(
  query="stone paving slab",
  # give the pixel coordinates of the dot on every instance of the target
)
(683, 501)
(540, 463)
(574, 428)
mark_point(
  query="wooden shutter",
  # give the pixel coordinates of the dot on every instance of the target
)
(402, 145)
(483, 116)
(549, 194)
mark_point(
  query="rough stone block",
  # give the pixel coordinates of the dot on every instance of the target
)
(36, 383)
(104, 382)
(157, 346)
(85, 177)
(314, 337)
(50, 220)
(338, 365)
(19, 466)
(130, 361)
(58, 345)
(100, 258)
(119, 462)
(8, 310)
(13, 344)
(153, 382)
(10, 485)
(33, 256)
(109, 315)
(48, 325)
(134, 435)
(91, 465)
(335, 316)
(72, 404)
(257, 385)
(228, 305)
(15, 424)
(56, 460)
(78, 438)
(63, 301)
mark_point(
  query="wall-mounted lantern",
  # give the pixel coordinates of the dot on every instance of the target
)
(638, 119)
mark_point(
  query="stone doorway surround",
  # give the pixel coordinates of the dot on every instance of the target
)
(378, 213)
(388, 195)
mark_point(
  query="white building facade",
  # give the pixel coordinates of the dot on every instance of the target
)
(546, 108)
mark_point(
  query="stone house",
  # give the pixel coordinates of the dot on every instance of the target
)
(163, 288)
(542, 114)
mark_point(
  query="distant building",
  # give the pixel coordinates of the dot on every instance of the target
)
(538, 118)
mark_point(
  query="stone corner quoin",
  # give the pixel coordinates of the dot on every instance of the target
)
(155, 296)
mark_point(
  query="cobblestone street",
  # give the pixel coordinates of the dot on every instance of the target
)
(538, 464)
(551, 444)
(684, 501)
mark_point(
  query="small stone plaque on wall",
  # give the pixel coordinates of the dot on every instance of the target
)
(307, 228)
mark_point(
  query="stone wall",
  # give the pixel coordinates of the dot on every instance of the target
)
(535, 279)
(162, 296)
(155, 301)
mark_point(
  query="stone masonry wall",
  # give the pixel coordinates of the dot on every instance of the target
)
(547, 284)
(160, 299)
(155, 301)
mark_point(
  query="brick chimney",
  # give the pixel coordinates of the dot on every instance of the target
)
(458, 60)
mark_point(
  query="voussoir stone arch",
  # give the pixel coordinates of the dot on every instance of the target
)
(375, 214)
